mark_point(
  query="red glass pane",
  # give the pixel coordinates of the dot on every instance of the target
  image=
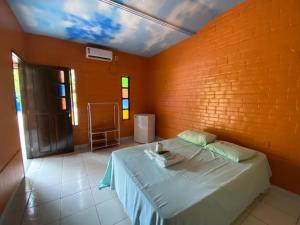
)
(61, 76)
(63, 104)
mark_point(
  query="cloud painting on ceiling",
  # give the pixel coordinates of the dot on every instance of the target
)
(102, 23)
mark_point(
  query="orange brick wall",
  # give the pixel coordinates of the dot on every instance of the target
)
(239, 78)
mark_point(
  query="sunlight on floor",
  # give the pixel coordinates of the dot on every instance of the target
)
(26, 162)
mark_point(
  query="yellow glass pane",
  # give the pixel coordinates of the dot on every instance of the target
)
(125, 114)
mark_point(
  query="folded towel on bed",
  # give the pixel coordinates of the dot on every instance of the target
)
(164, 162)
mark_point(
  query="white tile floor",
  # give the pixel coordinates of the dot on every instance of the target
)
(61, 190)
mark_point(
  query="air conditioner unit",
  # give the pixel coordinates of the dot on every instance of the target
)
(99, 54)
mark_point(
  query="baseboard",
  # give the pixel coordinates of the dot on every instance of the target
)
(127, 139)
(10, 176)
(81, 147)
(285, 192)
(8, 205)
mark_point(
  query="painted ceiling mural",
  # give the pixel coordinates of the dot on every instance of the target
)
(107, 23)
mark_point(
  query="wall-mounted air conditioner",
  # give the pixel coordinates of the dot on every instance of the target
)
(99, 54)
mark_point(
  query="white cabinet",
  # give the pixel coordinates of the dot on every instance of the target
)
(144, 128)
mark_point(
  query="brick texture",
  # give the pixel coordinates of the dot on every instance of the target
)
(239, 78)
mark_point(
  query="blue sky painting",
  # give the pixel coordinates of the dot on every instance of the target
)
(97, 22)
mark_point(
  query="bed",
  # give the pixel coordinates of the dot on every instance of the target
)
(205, 189)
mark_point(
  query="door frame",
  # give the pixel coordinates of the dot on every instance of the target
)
(23, 93)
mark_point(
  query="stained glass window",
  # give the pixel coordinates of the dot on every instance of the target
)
(16, 75)
(125, 97)
(62, 90)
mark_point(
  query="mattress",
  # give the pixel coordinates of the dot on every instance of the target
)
(205, 189)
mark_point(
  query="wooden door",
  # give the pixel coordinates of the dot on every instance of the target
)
(48, 110)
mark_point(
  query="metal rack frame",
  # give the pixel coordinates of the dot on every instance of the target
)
(98, 135)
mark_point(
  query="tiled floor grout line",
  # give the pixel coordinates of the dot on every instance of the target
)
(60, 200)
(85, 170)
(298, 220)
(95, 205)
(98, 216)
(60, 195)
(256, 203)
(247, 214)
(257, 219)
(277, 208)
(25, 208)
(62, 218)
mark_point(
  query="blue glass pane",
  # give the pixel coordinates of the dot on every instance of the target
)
(62, 90)
(125, 104)
(18, 102)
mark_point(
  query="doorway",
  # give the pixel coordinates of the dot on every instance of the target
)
(44, 109)
(17, 69)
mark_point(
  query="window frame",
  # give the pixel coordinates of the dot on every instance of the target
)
(128, 88)
(73, 97)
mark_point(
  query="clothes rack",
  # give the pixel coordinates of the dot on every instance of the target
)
(103, 137)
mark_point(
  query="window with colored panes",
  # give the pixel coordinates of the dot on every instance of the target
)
(62, 90)
(125, 97)
(16, 60)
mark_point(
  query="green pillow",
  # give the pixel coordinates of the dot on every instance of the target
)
(197, 138)
(231, 151)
